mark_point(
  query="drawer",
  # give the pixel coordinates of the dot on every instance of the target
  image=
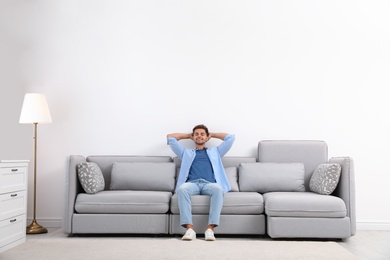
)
(12, 229)
(13, 179)
(12, 204)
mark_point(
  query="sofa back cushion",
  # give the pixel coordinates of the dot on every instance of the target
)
(309, 152)
(232, 175)
(269, 177)
(145, 176)
(105, 163)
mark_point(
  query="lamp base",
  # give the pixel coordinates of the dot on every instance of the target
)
(35, 228)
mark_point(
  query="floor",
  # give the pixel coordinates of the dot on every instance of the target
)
(368, 245)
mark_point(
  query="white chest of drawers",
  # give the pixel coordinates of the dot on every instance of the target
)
(13, 203)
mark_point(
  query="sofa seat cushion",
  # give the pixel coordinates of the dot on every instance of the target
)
(124, 202)
(234, 203)
(303, 204)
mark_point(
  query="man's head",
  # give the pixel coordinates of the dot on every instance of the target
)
(200, 127)
(200, 135)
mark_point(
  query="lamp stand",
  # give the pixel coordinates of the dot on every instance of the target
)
(34, 227)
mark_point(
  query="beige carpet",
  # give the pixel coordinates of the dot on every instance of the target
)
(173, 248)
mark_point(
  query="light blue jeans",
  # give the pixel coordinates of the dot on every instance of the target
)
(200, 187)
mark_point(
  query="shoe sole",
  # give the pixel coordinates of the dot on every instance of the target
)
(187, 239)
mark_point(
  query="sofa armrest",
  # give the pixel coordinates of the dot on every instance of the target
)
(346, 187)
(72, 188)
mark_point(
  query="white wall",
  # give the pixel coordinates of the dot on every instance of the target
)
(120, 75)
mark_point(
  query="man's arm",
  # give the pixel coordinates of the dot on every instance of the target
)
(227, 143)
(173, 142)
(179, 136)
(218, 135)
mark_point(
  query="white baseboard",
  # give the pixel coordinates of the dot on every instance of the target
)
(373, 225)
(57, 223)
(48, 223)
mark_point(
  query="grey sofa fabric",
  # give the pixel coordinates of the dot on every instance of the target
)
(232, 175)
(287, 227)
(270, 176)
(227, 161)
(143, 176)
(229, 224)
(303, 204)
(312, 154)
(279, 214)
(124, 202)
(234, 203)
(120, 224)
(72, 189)
(346, 188)
(75, 223)
(105, 163)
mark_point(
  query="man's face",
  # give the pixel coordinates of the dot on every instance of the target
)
(200, 137)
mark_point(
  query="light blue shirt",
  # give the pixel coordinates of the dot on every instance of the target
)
(215, 154)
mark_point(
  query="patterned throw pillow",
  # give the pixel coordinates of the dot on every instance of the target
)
(325, 178)
(91, 177)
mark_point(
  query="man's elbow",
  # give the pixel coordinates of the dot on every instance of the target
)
(231, 137)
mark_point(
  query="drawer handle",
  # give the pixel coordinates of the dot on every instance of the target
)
(14, 195)
(12, 220)
(14, 170)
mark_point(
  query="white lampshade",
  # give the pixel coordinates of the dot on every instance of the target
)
(35, 109)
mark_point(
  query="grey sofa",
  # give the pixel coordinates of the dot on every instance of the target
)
(270, 195)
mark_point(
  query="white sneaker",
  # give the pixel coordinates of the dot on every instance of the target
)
(209, 235)
(189, 235)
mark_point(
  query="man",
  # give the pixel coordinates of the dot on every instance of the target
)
(201, 173)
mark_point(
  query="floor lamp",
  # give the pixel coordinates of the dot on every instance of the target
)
(35, 110)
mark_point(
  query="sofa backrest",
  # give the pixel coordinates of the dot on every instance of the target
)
(227, 161)
(309, 152)
(105, 162)
(234, 161)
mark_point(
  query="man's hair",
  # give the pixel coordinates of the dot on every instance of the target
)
(201, 127)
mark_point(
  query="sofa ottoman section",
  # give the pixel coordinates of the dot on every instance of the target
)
(306, 214)
(309, 213)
